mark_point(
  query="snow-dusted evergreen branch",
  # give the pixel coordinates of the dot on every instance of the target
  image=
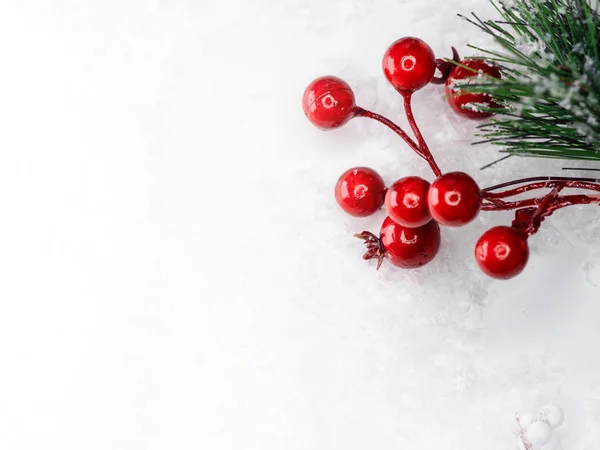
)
(549, 95)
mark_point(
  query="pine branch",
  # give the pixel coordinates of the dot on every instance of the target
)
(549, 94)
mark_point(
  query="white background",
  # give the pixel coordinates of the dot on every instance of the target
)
(175, 274)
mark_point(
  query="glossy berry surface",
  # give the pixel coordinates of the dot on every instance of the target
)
(360, 191)
(406, 202)
(454, 199)
(410, 248)
(328, 102)
(502, 252)
(409, 64)
(466, 104)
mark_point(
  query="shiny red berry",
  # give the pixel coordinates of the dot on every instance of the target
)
(409, 64)
(454, 199)
(360, 191)
(328, 102)
(502, 252)
(406, 202)
(410, 248)
(467, 104)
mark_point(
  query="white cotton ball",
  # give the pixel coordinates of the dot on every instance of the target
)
(521, 445)
(553, 415)
(526, 420)
(538, 433)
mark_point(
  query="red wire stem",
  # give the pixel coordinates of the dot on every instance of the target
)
(541, 185)
(501, 205)
(528, 220)
(422, 144)
(360, 112)
(532, 179)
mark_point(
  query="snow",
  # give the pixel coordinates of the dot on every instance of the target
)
(530, 47)
(175, 272)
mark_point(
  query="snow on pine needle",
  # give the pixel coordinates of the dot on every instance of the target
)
(548, 100)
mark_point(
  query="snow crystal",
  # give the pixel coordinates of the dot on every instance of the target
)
(529, 47)
(476, 106)
(585, 131)
(591, 270)
(589, 65)
(566, 102)
(578, 48)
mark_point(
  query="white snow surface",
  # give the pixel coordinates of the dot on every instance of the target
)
(175, 271)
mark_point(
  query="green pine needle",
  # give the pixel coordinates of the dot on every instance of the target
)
(549, 95)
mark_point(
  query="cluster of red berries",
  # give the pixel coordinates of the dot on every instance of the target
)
(410, 234)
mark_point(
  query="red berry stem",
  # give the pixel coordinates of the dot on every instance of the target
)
(533, 179)
(501, 205)
(493, 201)
(496, 204)
(528, 220)
(543, 185)
(360, 112)
(570, 200)
(541, 212)
(407, 95)
(565, 200)
(445, 67)
(532, 211)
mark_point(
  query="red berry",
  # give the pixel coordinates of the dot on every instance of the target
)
(360, 191)
(464, 103)
(502, 252)
(328, 102)
(406, 202)
(410, 248)
(409, 64)
(454, 199)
